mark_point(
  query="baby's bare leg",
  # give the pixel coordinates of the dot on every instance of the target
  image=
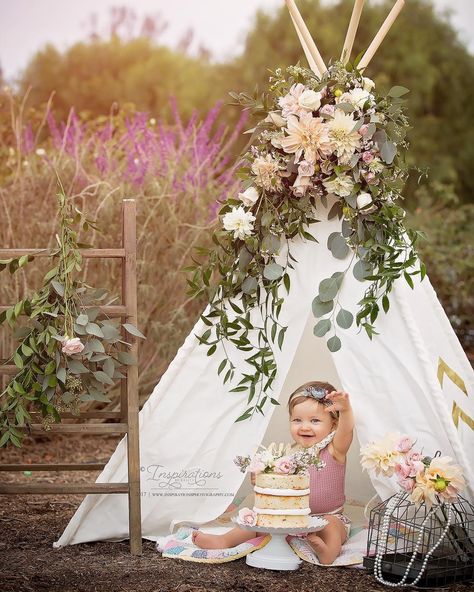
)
(327, 542)
(222, 541)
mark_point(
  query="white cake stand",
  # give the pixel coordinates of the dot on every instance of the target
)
(277, 553)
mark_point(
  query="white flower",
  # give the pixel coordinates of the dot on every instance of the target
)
(289, 103)
(342, 185)
(71, 346)
(308, 135)
(300, 185)
(249, 196)
(363, 200)
(381, 456)
(344, 141)
(310, 100)
(376, 166)
(265, 169)
(356, 97)
(369, 84)
(275, 118)
(239, 222)
(40, 151)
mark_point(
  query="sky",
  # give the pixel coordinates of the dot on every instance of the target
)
(220, 25)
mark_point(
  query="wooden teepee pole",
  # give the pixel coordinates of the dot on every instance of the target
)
(351, 31)
(384, 29)
(307, 53)
(294, 12)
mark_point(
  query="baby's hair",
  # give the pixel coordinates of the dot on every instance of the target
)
(298, 396)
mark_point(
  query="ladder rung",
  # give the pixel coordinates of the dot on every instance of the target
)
(86, 253)
(86, 428)
(93, 466)
(111, 310)
(39, 488)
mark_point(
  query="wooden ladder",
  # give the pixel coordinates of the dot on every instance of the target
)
(129, 403)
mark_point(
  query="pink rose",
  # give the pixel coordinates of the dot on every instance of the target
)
(256, 466)
(405, 444)
(285, 465)
(407, 484)
(370, 178)
(72, 346)
(402, 470)
(363, 129)
(327, 110)
(247, 517)
(367, 157)
(413, 456)
(416, 467)
(306, 169)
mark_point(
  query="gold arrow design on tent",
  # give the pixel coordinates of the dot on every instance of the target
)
(457, 413)
(443, 369)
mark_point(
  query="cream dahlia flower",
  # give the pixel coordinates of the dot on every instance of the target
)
(343, 140)
(308, 135)
(265, 169)
(381, 456)
(239, 222)
(341, 185)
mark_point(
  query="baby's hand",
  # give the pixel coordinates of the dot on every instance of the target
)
(252, 478)
(339, 401)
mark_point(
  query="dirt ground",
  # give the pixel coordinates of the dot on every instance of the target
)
(30, 523)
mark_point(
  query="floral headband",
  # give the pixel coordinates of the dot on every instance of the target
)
(314, 392)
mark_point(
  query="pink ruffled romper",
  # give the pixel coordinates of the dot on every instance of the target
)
(327, 489)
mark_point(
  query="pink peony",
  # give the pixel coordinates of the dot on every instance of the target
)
(72, 346)
(405, 444)
(247, 517)
(285, 465)
(256, 465)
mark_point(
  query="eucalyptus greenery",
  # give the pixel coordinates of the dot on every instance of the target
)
(245, 271)
(65, 312)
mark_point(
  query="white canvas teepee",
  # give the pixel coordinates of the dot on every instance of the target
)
(414, 377)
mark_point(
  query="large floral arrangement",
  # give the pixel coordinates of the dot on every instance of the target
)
(278, 458)
(332, 141)
(427, 479)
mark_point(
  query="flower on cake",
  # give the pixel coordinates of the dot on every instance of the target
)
(247, 517)
(279, 459)
(285, 465)
(239, 222)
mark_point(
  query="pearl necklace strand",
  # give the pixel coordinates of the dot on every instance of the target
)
(383, 536)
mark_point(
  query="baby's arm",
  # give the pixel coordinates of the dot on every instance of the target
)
(345, 426)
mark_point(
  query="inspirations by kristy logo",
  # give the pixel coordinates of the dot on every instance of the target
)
(190, 479)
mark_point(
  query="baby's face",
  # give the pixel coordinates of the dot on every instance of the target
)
(310, 423)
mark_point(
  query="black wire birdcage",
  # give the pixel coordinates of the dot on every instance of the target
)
(414, 545)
